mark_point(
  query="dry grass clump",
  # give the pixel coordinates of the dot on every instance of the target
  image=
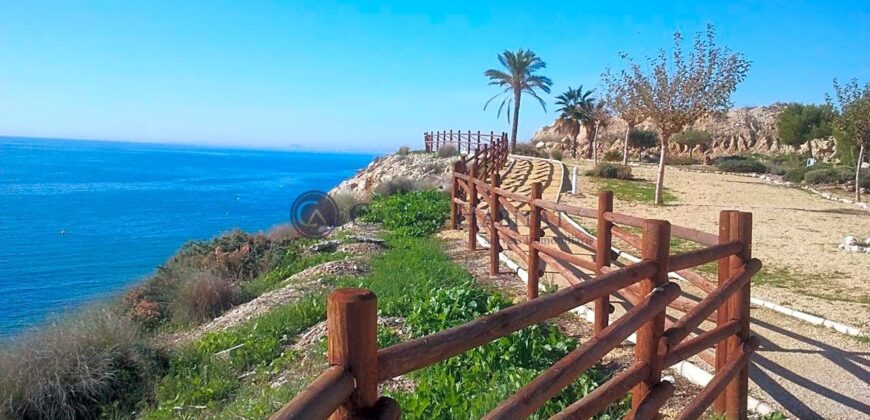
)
(204, 297)
(196, 281)
(447, 151)
(72, 368)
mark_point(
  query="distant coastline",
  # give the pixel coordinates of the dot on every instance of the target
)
(82, 220)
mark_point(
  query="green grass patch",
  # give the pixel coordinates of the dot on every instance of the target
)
(416, 280)
(633, 190)
(292, 263)
(418, 213)
(200, 376)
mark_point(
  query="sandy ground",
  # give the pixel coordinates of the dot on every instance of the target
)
(793, 230)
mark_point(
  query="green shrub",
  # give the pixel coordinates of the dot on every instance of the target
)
(643, 138)
(839, 175)
(799, 123)
(447, 151)
(797, 173)
(236, 258)
(417, 213)
(397, 185)
(612, 156)
(527, 149)
(556, 154)
(610, 170)
(740, 164)
(403, 151)
(76, 366)
(692, 138)
(348, 205)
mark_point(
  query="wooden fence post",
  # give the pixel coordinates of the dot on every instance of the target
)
(352, 322)
(471, 217)
(534, 260)
(602, 256)
(655, 247)
(454, 194)
(737, 391)
(495, 221)
(723, 314)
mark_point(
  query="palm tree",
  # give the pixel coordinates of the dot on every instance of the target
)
(571, 117)
(518, 78)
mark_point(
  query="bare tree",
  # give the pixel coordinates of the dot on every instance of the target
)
(599, 116)
(623, 101)
(853, 119)
(676, 91)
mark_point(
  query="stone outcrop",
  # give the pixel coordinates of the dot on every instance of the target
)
(425, 169)
(740, 130)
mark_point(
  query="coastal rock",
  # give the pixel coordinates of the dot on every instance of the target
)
(423, 168)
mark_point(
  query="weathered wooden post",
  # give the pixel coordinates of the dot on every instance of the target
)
(454, 194)
(737, 391)
(602, 256)
(352, 321)
(495, 222)
(655, 246)
(471, 217)
(534, 260)
(723, 314)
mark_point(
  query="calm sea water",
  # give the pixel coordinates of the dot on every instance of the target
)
(81, 220)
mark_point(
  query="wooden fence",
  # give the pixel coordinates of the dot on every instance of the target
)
(349, 388)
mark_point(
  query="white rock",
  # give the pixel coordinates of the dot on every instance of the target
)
(867, 241)
(850, 241)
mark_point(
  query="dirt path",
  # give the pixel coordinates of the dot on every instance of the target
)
(811, 372)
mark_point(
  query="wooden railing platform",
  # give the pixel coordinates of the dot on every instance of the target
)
(514, 222)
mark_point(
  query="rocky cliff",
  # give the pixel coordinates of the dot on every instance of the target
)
(740, 130)
(423, 169)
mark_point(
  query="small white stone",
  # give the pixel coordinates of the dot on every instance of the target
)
(850, 241)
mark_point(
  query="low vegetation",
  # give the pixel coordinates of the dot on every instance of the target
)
(447, 151)
(637, 191)
(743, 164)
(556, 154)
(413, 214)
(76, 367)
(612, 156)
(528, 149)
(610, 171)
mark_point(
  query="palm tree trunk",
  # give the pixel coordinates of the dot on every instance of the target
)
(595, 143)
(574, 145)
(588, 131)
(625, 146)
(516, 122)
(858, 173)
(660, 180)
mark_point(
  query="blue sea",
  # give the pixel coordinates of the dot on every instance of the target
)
(82, 220)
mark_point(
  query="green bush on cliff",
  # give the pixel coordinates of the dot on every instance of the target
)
(417, 213)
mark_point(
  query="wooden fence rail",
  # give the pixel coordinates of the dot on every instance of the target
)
(349, 388)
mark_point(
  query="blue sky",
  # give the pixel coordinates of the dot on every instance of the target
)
(368, 76)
